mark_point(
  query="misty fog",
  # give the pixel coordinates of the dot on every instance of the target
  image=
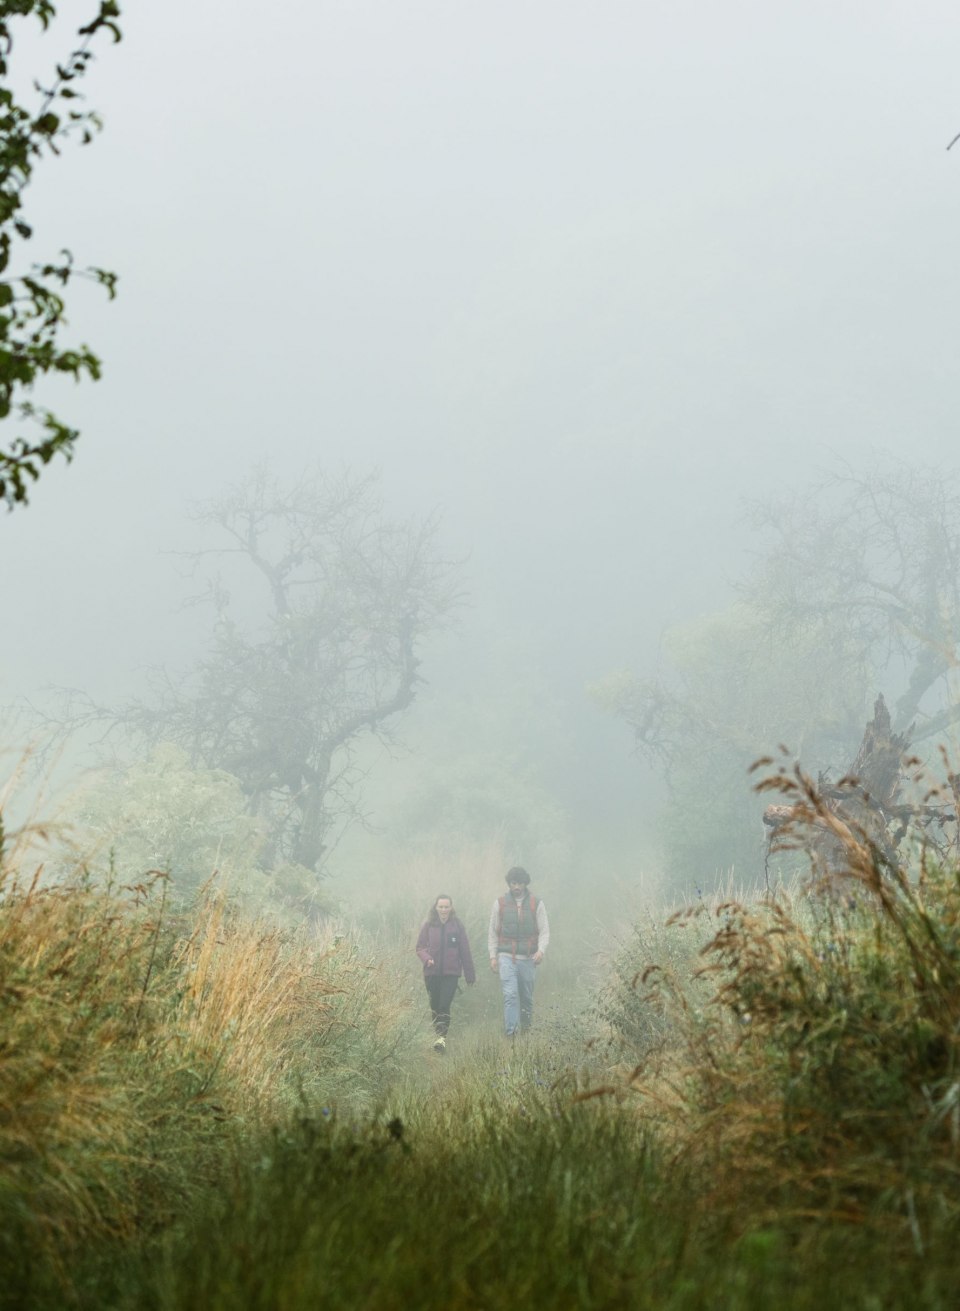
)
(578, 280)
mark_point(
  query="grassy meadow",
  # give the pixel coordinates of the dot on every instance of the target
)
(740, 1104)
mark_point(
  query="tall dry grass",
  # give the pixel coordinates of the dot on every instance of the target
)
(139, 1048)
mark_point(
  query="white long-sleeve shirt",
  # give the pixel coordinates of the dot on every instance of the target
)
(493, 933)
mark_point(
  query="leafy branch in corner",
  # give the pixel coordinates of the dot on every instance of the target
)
(32, 303)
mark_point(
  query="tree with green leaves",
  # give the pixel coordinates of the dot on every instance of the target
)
(32, 297)
(857, 589)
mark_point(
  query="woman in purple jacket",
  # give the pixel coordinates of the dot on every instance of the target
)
(444, 948)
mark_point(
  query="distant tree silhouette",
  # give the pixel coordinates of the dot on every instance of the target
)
(857, 588)
(326, 655)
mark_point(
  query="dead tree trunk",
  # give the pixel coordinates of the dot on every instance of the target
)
(865, 799)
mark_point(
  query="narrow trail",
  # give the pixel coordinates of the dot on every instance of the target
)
(480, 1063)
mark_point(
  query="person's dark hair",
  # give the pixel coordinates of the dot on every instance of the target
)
(433, 917)
(518, 875)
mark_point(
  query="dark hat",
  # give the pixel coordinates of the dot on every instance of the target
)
(518, 875)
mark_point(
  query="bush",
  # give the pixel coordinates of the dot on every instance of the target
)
(193, 824)
(822, 1078)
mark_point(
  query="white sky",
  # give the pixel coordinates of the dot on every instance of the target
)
(579, 275)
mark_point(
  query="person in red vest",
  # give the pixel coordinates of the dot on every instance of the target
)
(516, 942)
(444, 948)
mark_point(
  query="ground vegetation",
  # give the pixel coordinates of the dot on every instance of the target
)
(760, 1106)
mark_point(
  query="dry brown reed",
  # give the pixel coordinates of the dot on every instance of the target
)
(251, 996)
(135, 1044)
(72, 967)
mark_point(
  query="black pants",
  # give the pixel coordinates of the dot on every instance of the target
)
(441, 989)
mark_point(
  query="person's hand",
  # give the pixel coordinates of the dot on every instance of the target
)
(493, 963)
(537, 957)
(429, 962)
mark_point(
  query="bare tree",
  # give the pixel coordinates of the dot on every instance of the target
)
(326, 654)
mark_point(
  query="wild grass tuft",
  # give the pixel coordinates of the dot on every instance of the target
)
(139, 1049)
(807, 1065)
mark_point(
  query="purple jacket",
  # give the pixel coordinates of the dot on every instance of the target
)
(448, 946)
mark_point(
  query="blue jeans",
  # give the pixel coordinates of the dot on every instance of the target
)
(517, 978)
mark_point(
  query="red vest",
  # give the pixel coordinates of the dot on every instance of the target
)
(518, 930)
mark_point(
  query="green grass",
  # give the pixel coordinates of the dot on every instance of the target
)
(521, 1197)
(760, 1109)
